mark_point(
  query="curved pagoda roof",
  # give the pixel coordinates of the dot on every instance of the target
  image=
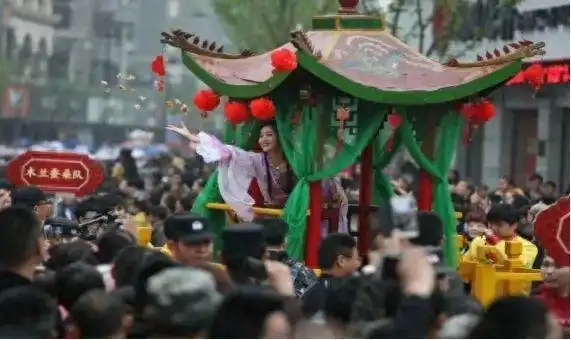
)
(355, 54)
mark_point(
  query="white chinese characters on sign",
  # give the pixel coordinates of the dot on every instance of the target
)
(53, 173)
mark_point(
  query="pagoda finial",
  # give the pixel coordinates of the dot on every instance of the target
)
(348, 6)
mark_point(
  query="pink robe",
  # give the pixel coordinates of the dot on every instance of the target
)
(237, 168)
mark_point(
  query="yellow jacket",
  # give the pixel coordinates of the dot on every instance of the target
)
(528, 254)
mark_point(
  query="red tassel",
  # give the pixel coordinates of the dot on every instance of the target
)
(515, 45)
(489, 55)
(479, 58)
(506, 49)
(158, 66)
(390, 142)
(497, 52)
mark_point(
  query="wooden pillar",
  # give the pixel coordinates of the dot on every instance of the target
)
(313, 232)
(425, 187)
(365, 198)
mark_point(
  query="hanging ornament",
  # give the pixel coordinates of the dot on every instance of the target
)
(262, 109)
(137, 107)
(395, 120)
(122, 87)
(476, 114)
(168, 104)
(142, 98)
(158, 66)
(483, 112)
(283, 60)
(535, 76)
(184, 108)
(342, 116)
(205, 101)
(160, 85)
(177, 102)
(236, 112)
(104, 83)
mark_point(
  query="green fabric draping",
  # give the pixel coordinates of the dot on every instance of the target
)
(448, 134)
(381, 159)
(310, 148)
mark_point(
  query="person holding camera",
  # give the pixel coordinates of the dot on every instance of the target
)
(275, 231)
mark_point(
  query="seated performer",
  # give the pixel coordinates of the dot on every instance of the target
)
(276, 180)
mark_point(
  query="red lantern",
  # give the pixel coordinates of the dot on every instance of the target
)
(158, 66)
(535, 76)
(236, 112)
(283, 60)
(395, 120)
(263, 109)
(483, 112)
(206, 100)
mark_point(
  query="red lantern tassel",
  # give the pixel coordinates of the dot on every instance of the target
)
(390, 142)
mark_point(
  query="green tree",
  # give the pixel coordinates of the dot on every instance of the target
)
(453, 23)
(262, 25)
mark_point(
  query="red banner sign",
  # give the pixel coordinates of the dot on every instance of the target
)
(554, 74)
(552, 230)
(56, 172)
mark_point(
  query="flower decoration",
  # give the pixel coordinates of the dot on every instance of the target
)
(236, 112)
(262, 109)
(283, 60)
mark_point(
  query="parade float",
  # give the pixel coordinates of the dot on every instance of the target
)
(342, 92)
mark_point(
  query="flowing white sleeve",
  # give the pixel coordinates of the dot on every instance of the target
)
(236, 169)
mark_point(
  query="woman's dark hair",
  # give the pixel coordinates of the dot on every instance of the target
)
(290, 175)
(110, 244)
(129, 166)
(64, 254)
(243, 313)
(475, 214)
(510, 182)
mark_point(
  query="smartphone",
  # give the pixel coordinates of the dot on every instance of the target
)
(404, 216)
(398, 213)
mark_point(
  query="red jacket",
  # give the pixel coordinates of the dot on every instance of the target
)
(557, 304)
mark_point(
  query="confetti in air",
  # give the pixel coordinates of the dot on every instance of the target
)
(104, 83)
(137, 107)
(142, 98)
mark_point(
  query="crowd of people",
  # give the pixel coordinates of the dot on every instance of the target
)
(85, 271)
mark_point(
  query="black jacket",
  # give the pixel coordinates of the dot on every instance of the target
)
(314, 298)
(10, 280)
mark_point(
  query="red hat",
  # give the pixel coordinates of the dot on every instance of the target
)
(552, 231)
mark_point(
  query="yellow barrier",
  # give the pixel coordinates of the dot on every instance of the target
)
(490, 281)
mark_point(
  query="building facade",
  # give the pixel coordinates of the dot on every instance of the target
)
(530, 132)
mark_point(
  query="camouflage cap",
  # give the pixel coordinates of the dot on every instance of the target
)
(182, 298)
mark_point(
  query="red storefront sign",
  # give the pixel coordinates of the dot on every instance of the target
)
(56, 172)
(16, 101)
(555, 73)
